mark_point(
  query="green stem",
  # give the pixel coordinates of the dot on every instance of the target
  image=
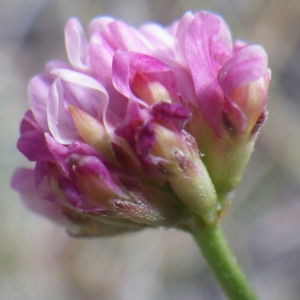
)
(223, 264)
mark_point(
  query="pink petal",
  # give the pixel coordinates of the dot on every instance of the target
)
(95, 101)
(23, 181)
(98, 173)
(125, 37)
(158, 40)
(116, 35)
(145, 139)
(99, 24)
(38, 91)
(174, 115)
(29, 123)
(76, 45)
(246, 66)
(101, 54)
(182, 29)
(59, 120)
(56, 64)
(32, 144)
(126, 64)
(61, 152)
(207, 46)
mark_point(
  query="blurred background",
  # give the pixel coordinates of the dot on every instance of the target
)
(38, 260)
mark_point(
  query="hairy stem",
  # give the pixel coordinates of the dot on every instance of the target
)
(222, 263)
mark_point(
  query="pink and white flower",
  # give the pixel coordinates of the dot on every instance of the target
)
(114, 132)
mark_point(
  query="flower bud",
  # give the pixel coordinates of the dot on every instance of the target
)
(187, 174)
(231, 83)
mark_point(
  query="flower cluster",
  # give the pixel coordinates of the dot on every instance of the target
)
(142, 127)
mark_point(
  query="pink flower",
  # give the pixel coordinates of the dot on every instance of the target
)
(229, 71)
(111, 132)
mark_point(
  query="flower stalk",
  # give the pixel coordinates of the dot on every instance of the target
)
(223, 263)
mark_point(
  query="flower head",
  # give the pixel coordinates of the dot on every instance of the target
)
(116, 132)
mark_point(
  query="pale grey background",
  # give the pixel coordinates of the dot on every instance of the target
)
(38, 261)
